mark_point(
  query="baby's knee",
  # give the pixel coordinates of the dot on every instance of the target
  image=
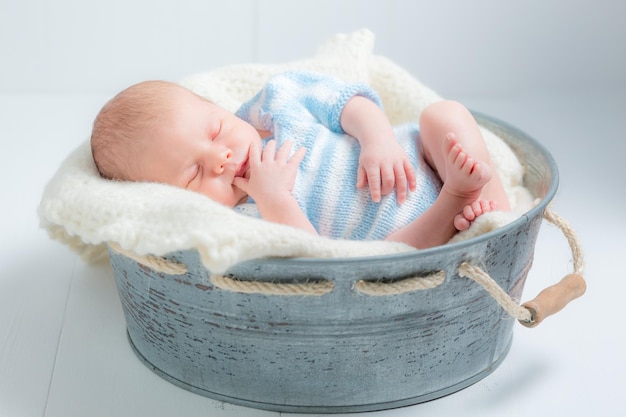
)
(446, 109)
(447, 113)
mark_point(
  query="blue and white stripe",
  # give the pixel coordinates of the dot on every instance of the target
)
(306, 107)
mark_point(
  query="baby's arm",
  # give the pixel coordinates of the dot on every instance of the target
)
(270, 181)
(383, 164)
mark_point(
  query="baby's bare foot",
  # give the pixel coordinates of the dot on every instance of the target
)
(465, 176)
(470, 212)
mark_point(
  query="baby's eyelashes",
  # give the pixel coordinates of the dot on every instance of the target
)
(215, 131)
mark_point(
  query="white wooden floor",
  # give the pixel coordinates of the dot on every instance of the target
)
(63, 347)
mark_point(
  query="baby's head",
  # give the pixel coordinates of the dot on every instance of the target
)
(123, 126)
(158, 131)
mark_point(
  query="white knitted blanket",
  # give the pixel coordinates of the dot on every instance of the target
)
(85, 211)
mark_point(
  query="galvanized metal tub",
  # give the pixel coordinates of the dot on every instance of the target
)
(345, 350)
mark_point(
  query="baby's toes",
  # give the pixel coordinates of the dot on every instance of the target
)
(487, 205)
(484, 206)
(461, 223)
(481, 172)
(471, 211)
(469, 166)
(449, 142)
(456, 156)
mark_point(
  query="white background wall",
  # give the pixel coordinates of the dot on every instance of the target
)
(458, 47)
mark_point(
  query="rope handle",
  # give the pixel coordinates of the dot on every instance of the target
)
(305, 288)
(321, 287)
(549, 301)
(156, 263)
(554, 298)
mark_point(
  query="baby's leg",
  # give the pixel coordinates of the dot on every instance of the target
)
(446, 121)
(456, 206)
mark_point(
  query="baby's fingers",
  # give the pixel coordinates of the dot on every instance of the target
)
(296, 158)
(361, 177)
(373, 179)
(410, 175)
(387, 179)
(269, 151)
(284, 154)
(401, 183)
(284, 151)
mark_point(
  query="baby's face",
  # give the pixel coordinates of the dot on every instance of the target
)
(201, 147)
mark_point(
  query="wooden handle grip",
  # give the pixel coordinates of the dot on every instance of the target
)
(554, 298)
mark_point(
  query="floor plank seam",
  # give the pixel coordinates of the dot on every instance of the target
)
(60, 337)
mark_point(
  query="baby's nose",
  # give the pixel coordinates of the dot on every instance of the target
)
(222, 158)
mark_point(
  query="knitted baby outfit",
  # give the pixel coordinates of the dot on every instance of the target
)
(305, 107)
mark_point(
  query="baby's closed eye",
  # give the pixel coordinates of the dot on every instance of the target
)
(215, 130)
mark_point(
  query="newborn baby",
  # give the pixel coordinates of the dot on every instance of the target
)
(309, 151)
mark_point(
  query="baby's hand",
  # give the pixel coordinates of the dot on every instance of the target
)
(384, 166)
(272, 173)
